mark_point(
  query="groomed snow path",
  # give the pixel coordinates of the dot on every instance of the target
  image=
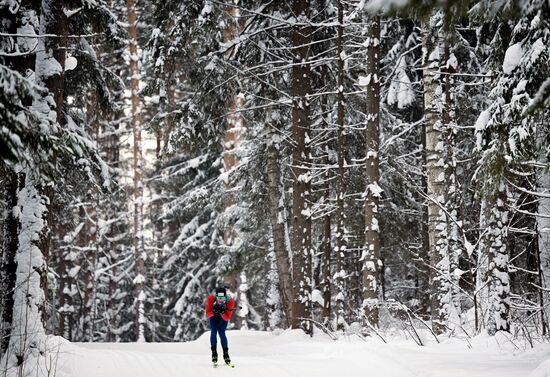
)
(291, 353)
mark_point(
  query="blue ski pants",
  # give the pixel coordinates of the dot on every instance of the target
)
(217, 326)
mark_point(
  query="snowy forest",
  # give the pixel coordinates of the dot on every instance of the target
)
(342, 166)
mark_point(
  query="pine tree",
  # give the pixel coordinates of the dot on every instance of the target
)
(503, 132)
(301, 220)
(340, 249)
(371, 253)
(62, 139)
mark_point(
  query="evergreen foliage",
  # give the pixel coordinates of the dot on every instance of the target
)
(334, 163)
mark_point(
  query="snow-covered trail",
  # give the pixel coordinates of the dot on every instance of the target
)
(292, 354)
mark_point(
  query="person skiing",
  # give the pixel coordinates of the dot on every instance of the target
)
(219, 308)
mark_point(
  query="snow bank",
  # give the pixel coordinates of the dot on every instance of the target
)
(543, 370)
(293, 353)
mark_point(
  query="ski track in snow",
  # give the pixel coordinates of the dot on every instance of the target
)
(293, 354)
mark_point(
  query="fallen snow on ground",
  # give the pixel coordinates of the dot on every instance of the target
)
(292, 353)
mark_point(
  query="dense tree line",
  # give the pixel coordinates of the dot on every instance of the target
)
(334, 163)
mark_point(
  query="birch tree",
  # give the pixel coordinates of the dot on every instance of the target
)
(435, 171)
(139, 251)
(278, 218)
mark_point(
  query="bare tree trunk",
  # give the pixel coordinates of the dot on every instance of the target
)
(435, 170)
(234, 129)
(156, 212)
(21, 60)
(8, 263)
(325, 265)
(543, 230)
(27, 331)
(301, 216)
(342, 273)
(453, 198)
(55, 22)
(89, 232)
(234, 119)
(234, 122)
(67, 289)
(232, 139)
(115, 229)
(355, 265)
(85, 245)
(326, 241)
(424, 272)
(112, 246)
(139, 250)
(371, 254)
(481, 295)
(497, 251)
(277, 219)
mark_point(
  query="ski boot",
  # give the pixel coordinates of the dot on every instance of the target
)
(214, 356)
(226, 358)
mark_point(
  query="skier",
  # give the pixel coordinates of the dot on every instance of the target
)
(219, 308)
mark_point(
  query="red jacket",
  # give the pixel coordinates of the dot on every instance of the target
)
(229, 306)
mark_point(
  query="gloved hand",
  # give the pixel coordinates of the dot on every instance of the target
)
(218, 309)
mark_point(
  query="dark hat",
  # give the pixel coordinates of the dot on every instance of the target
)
(221, 290)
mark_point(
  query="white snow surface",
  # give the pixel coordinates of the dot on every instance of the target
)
(542, 371)
(292, 353)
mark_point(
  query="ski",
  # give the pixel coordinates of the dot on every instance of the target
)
(230, 365)
(215, 365)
